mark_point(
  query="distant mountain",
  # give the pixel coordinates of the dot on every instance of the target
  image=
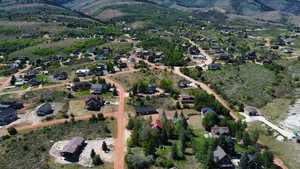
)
(241, 7)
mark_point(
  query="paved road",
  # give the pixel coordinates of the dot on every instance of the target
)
(285, 133)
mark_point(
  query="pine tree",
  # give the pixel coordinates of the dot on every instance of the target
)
(93, 154)
(246, 139)
(174, 152)
(104, 147)
(97, 160)
(115, 92)
(175, 115)
(13, 80)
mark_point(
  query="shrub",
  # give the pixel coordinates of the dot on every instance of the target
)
(12, 131)
(97, 160)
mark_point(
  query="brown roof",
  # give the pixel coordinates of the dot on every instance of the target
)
(73, 144)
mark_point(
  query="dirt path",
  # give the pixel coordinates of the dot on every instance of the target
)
(7, 81)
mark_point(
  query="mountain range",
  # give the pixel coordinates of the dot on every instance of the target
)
(273, 11)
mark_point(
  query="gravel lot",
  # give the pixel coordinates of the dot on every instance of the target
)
(84, 159)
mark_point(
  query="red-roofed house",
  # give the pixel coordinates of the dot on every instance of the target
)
(156, 124)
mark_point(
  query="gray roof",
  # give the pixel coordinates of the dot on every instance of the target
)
(250, 109)
(7, 112)
(219, 154)
(72, 145)
(220, 130)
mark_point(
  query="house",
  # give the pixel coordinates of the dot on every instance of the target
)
(79, 86)
(183, 83)
(67, 62)
(214, 66)
(224, 57)
(30, 75)
(267, 61)
(122, 65)
(45, 109)
(288, 51)
(91, 52)
(101, 67)
(7, 116)
(156, 124)
(94, 103)
(61, 76)
(146, 110)
(251, 111)
(100, 58)
(34, 82)
(199, 57)
(151, 89)
(131, 60)
(11, 104)
(98, 88)
(83, 72)
(206, 110)
(19, 83)
(73, 148)
(219, 130)
(185, 99)
(14, 66)
(221, 159)
(275, 47)
(27, 35)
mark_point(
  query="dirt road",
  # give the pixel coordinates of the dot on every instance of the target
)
(52, 122)
(121, 117)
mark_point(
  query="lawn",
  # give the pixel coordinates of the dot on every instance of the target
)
(30, 149)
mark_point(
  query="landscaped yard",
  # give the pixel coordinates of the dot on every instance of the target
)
(77, 107)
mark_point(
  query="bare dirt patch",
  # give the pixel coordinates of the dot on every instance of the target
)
(109, 14)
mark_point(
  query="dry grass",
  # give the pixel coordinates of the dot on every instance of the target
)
(276, 110)
(287, 151)
(77, 107)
